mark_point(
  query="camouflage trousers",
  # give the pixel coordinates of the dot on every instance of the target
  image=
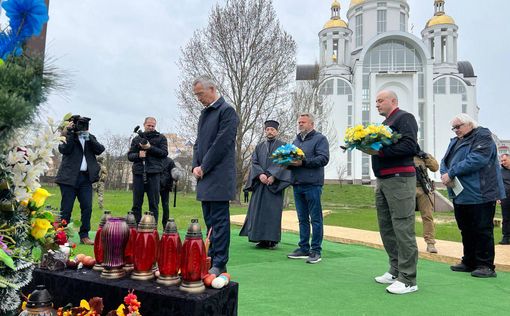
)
(98, 187)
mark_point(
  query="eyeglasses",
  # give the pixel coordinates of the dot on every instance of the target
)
(456, 127)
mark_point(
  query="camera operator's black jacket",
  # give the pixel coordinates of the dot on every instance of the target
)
(72, 156)
(155, 154)
(166, 180)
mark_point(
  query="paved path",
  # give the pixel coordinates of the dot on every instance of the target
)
(449, 251)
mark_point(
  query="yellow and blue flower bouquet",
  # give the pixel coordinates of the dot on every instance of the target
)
(286, 154)
(372, 137)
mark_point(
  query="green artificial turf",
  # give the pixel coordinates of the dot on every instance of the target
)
(343, 283)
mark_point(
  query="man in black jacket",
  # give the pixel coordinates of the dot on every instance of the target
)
(78, 170)
(166, 185)
(147, 152)
(395, 196)
(214, 167)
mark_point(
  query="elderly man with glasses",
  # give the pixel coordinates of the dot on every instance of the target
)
(470, 170)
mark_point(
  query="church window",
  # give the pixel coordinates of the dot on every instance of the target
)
(359, 30)
(402, 21)
(381, 21)
(327, 88)
(421, 124)
(421, 86)
(440, 86)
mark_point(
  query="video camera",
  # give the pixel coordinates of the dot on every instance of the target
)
(141, 134)
(81, 123)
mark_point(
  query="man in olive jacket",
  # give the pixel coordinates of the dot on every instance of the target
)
(214, 167)
(78, 170)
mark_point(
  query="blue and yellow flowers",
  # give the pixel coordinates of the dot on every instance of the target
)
(371, 137)
(286, 154)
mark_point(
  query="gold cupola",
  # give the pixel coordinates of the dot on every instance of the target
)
(335, 20)
(439, 15)
(356, 2)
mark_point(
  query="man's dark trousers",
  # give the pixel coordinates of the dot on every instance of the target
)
(217, 216)
(83, 191)
(152, 189)
(165, 204)
(476, 225)
(309, 209)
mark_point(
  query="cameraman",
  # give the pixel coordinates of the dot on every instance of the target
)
(78, 170)
(147, 152)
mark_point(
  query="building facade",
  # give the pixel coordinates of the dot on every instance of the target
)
(374, 50)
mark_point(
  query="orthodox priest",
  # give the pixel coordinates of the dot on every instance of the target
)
(267, 182)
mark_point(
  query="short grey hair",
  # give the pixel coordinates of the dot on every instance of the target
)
(205, 81)
(465, 119)
(309, 115)
(149, 118)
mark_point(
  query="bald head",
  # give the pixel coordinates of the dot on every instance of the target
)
(386, 102)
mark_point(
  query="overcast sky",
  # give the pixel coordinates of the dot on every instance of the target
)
(122, 55)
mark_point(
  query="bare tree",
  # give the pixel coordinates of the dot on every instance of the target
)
(251, 58)
(116, 163)
(308, 98)
(341, 173)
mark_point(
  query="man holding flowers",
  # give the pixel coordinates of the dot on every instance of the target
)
(307, 181)
(395, 195)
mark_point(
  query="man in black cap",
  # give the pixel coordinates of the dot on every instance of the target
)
(267, 182)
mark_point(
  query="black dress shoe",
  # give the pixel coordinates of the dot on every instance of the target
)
(461, 267)
(484, 272)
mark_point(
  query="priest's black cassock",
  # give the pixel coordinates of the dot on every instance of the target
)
(264, 218)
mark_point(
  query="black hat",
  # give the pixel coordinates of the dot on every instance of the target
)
(271, 123)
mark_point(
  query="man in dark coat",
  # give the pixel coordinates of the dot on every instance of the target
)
(147, 152)
(166, 186)
(214, 167)
(78, 170)
(267, 181)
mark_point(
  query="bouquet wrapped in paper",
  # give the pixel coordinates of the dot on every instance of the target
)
(285, 154)
(371, 137)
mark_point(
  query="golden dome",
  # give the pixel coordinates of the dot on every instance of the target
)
(335, 23)
(440, 19)
(335, 4)
(356, 2)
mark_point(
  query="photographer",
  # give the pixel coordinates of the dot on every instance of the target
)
(78, 170)
(147, 152)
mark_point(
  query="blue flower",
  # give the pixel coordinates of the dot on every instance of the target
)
(26, 17)
(9, 44)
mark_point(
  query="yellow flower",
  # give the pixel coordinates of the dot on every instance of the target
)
(40, 228)
(85, 304)
(120, 310)
(39, 197)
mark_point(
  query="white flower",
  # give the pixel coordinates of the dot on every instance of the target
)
(14, 157)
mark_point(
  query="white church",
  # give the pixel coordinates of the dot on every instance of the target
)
(374, 50)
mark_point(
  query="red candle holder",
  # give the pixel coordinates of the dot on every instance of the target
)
(130, 247)
(193, 260)
(169, 261)
(98, 244)
(114, 237)
(145, 248)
